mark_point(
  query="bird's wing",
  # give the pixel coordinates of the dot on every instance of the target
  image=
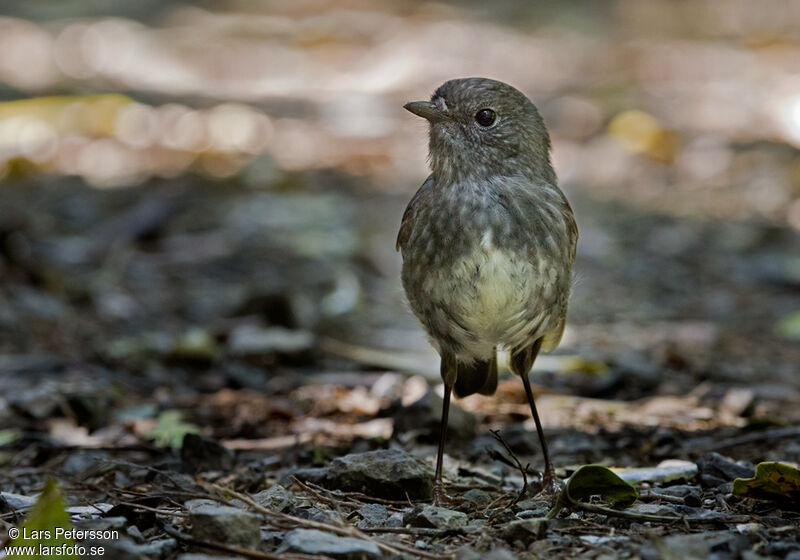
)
(407, 223)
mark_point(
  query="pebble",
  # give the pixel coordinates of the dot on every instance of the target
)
(312, 541)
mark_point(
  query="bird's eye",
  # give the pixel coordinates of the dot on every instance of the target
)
(485, 117)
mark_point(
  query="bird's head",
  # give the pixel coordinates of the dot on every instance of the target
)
(482, 128)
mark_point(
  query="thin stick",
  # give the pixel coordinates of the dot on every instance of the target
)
(668, 518)
(517, 463)
(347, 531)
(154, 510)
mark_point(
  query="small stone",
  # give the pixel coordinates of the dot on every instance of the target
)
(276, 498)
(316, 514)
(17, 501)
(203, 454)
(395, 520)
(476, 497)
(652, 509)
(124, 548)
(434, 517)
(525, 530)
(389, 473)
(82, 461)
(699, 545)
(667, 471)
(226, 524)
(312, 541)
(372, 515)
(718, 466)
(249, 341)
(532, 508)
(692, 495)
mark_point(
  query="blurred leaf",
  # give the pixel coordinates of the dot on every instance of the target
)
(772, 481)
(596, 480)
(196, 345)
(789, 326)
(48, 513)
(9, 436)
(170, 430)
(641, 133)
(92, 115)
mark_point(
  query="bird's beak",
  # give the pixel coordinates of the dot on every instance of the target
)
(425, 109)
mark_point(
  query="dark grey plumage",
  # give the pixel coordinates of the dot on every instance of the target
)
(487, 242)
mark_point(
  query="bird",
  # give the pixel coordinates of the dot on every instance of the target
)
(487, 243)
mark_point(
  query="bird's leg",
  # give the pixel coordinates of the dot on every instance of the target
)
(549, 482)
(438, 493)
(521, 363)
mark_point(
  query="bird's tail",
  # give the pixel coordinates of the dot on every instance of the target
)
(477, 377)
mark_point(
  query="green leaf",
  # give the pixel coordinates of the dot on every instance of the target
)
(596, 480)
(772, 481)
(789, 326)
(47, 515)
(170, 429)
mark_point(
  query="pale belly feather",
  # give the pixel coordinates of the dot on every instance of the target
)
(496, 299)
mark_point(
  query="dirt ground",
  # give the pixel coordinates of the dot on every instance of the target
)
(192, 316)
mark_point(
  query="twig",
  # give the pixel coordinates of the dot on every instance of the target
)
(347, 531)
(359, 495)
(415, 531)
(664, 518)
(330, 498)
(517, 464)
(650, 495)
(154, 510)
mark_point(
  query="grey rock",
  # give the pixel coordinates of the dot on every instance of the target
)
(395, 520)
(276, 498)
(254, 341)
(532, 508)
(372, 515)
(317, 475)
(652, 509)
(202, 454)
(699, 546)
(125, 549)
(424, 416)
(18, 501)
(435, 517)
(134, 533)
(468, 553)
(476, 497)
(312, 541)
(500, 553)
(673, 471)
(225, 524)
(720, 467)
(525, 530)
(388, 473)
(692, 495)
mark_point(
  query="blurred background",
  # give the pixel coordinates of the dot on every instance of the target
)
(199, 204)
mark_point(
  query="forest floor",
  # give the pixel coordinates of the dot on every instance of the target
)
(203, 337)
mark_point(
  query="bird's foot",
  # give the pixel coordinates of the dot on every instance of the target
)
(551, 486)
(440, 498)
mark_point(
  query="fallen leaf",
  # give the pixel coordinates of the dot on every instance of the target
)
(596, 480)
(39, 529)
(170, 429)
(772, 481)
